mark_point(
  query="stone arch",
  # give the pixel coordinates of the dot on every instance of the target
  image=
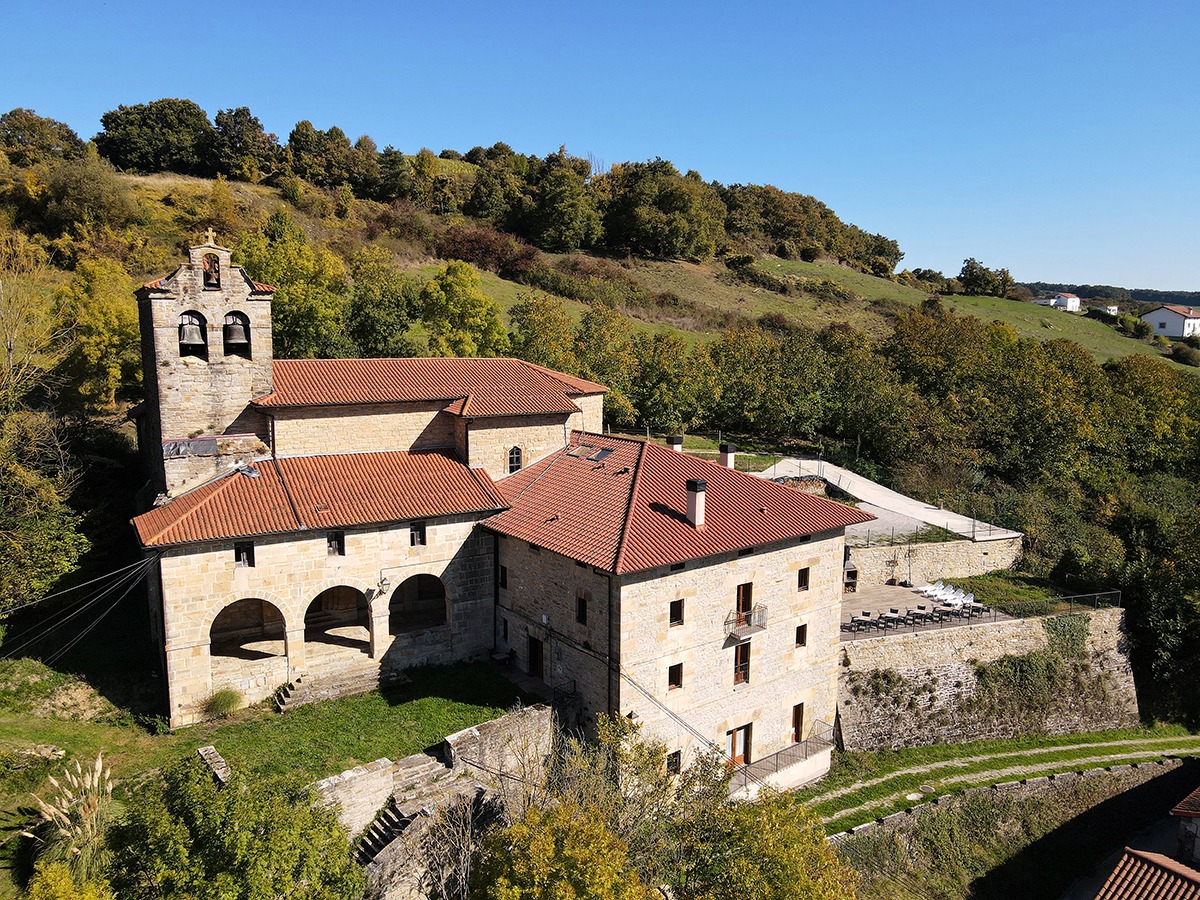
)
(266, 596)
(193, 334)
(211, 269)
(417, 603)
(340, 616)
(251, 628)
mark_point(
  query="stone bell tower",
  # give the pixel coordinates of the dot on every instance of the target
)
(206, 353)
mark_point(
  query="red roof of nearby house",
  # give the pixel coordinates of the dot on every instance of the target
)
(314, 492)
(1189, 806)
(1150, 876)
(1187, 312)
(628, 511)
(471, 387)
(1065, 294)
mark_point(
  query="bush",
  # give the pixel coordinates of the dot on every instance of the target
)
(223, 702)
(1188, 356)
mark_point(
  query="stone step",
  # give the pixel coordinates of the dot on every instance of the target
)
(388, 825)
(313, 687)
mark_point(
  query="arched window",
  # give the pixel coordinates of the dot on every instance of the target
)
(237, 334)
(193, 335)
(212, 272)
(514, 460)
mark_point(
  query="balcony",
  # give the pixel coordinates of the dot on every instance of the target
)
(742, 624)
(774, 771)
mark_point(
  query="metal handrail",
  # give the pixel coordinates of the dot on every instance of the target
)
(819, 738)
(742, 623)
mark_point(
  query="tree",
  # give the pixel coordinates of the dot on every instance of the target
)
(162, 136)
(308, 312)
(563, 853)
(652, 210)
(605, 352)
(978, 279)
(773, 849)
(54, 881)
(381, 305)
(461, 319)
(72, 192)
(27, 138)
(564, 216)
(542, 331)
(240, 147)
(395, 176)
(673, 386)
(98, 304)
(187, 836)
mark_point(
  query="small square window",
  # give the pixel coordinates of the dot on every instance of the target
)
(243, 556)
(416, 534)
(676, 614)
(745, 551)
(503, 576)
(534, 548)
(675, 762)
(581, 605)
(335, 543)
(675, 676)
(802, 579)
(802, 635)
(581, 565)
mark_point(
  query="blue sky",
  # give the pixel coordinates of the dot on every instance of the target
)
(1058, 138)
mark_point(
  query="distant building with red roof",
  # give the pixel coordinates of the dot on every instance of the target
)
(342, 519)
(1173, 321)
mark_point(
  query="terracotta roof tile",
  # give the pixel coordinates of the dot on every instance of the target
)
(1189, 806)
(321, 492)
(627, 512)
(471, 387)
(1150, 876)
(261, 288)
(1188, 312)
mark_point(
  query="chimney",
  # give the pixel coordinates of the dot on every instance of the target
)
(728, 452)
(695, 490)
(675, 442)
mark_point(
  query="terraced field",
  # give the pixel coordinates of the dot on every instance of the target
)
(848, 798)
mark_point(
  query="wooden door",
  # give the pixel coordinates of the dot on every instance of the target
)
(737, 745)
(797, 723)
(535, 658)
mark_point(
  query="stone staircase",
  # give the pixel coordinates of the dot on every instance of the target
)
(315, 687)
(421, 784)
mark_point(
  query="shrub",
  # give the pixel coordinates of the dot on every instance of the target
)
(1188, 356)
(223, 702)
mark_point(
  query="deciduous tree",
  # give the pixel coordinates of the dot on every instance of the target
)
(169, 135)
(460, 318)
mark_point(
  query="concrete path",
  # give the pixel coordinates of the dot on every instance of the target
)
(869, 492)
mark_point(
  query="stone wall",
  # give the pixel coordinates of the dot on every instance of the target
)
(315, 430)
(518, 742)
(1189, 840)
(920, 688)
(710, 702)
(928, 562)
(200, 580)
(490, 440)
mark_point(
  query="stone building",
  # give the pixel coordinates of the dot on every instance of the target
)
(345, 518)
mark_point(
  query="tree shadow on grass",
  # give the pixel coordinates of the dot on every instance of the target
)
(476, 683)
(1048, 866)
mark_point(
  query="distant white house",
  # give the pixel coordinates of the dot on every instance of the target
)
(1065, 302)
(1173, 321)
(1113, 310)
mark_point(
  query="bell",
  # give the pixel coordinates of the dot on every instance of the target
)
(235, 334)
(190, 334)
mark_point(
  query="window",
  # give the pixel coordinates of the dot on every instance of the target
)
(741, 663)
(737, 745)
(676, 614)
(678, 567)
(674, 762)
(504, 629)
(802, 635)
(581, 565)
(335, 543)
(797, 723)
(802, 579)
(1162, 325)
(581, 603)
(675, 676)
(745, 551)
(193, 335)
(416, 534)
(504, 576)
(514, 460)
(243, 555)
(745, 602)
(236, 334)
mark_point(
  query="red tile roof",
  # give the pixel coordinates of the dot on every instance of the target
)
(321, 492)
(628, 511)
(471, 387)
(1189, 806)
(1188, 312)
(1150, 876)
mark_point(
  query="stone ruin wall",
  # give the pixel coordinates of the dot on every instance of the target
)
(916, 689)
(929, 562)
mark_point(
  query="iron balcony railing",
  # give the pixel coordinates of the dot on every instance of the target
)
(820, 738)
(743, 623)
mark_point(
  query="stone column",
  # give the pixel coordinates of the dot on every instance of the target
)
(293, 646)
(379, 635)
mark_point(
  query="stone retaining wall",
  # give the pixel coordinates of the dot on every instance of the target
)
(929, 562)
(915, 689)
